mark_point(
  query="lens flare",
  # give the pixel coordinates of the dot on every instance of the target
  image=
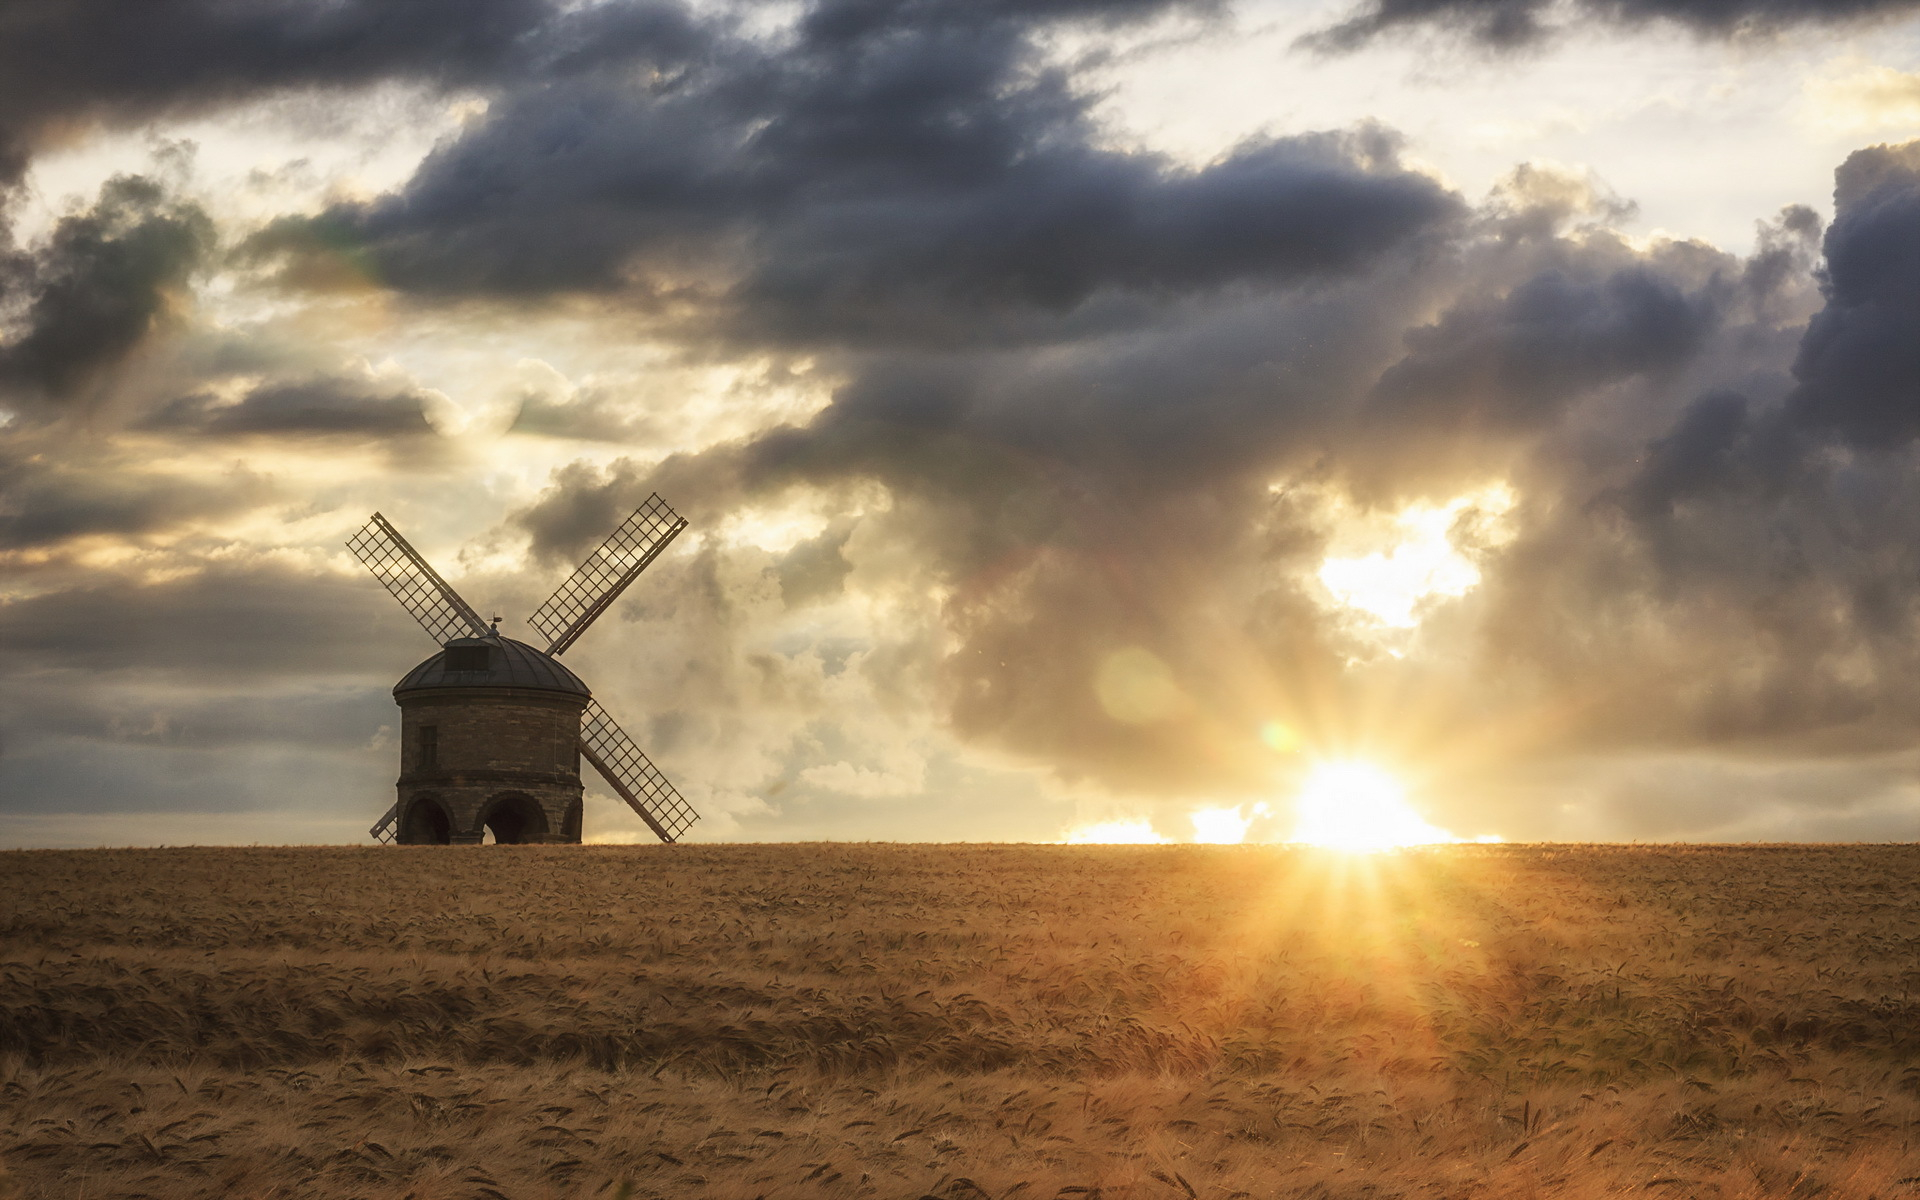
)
(1281, 738)
(1360, 807)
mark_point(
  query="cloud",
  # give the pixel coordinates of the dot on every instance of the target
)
(906, 778)
(1702, 454)
(1521, 359)
(64, 66)
(262, 620)
(912, 172)
(1859, 366)
(1508, 24)
(1745, 576)
(550, 405)
(105, 281)
(326, 406)
(45, 504)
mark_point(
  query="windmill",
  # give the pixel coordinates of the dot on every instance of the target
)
(492, 730)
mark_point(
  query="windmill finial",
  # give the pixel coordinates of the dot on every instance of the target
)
(496, 624)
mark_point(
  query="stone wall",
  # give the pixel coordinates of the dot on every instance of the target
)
(506, 757)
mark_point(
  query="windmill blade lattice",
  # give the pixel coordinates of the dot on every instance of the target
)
(383, 829)
(631, 774)
(599, 581)
(417, 586)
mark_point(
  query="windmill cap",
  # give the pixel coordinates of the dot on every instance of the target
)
(509, 664)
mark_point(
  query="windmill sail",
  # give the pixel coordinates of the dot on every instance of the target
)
(417, 586)
(383, 830)
(633, 776)
(606, 573)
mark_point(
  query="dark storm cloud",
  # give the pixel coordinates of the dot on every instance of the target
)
(896, 170)
(65, 65)
(104, 281)
(1506, 24)
(1052, 231)
(1703, 453)
(1554, 307)
(320, 407)
(1750, 577)
(1522, 359)
(1856, 393)
(1859, 366)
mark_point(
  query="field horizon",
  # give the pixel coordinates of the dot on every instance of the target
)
(960, 1020)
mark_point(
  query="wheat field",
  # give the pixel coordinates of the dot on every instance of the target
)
(960, 1022)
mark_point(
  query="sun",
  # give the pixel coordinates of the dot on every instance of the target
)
(1357, 806)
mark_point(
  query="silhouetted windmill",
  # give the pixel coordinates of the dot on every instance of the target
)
(492, 730)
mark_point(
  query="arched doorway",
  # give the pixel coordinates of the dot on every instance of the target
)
(426, 823)
(513, 819)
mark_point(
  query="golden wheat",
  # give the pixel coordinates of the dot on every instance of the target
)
(959, 1022)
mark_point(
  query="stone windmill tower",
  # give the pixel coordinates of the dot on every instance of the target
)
(492, 730)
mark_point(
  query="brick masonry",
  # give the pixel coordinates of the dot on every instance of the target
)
(502, 757)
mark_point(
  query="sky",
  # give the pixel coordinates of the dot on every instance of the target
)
(1093, 417)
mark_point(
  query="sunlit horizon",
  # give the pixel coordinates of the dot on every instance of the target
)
(1131, 832)
(1349, 805)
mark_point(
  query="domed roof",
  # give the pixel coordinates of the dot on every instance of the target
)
(492, 662)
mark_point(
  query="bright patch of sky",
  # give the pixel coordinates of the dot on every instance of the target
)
(1706, 137)
(1390, 569)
